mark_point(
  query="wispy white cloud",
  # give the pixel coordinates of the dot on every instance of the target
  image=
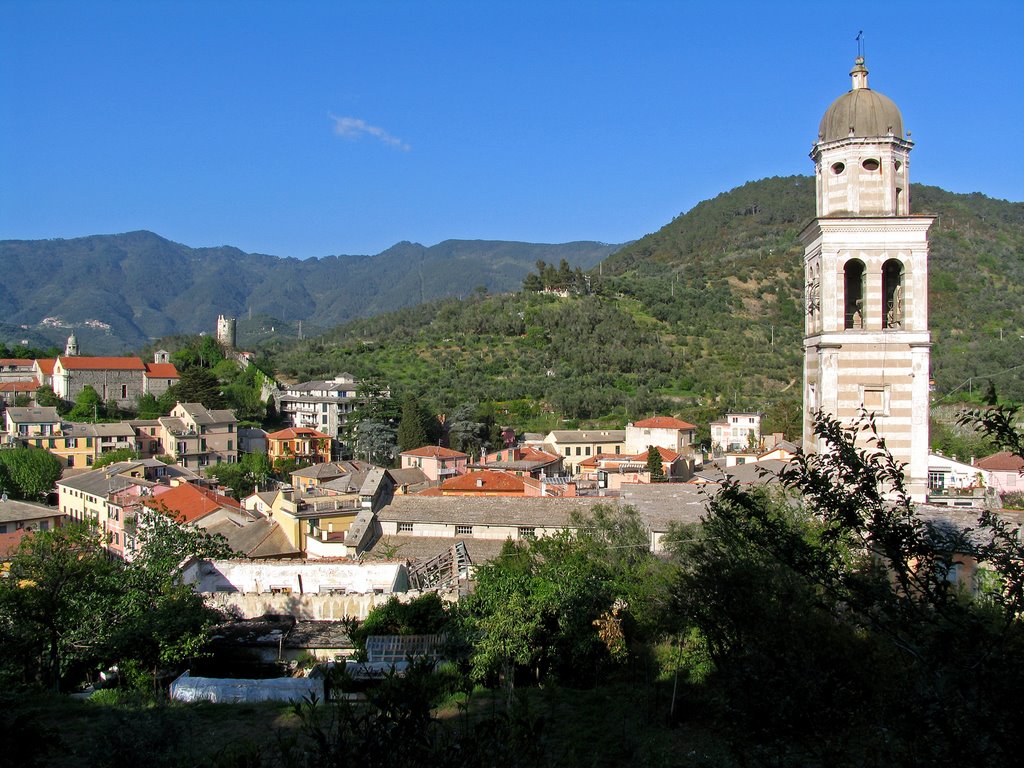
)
(352, 128)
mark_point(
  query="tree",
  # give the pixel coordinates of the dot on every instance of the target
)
(88, 406)
(804, 594)
(547, 606)
(29, 473)
(56, 601)
(198, 385)
(377, 441)
(655, 466)
(45, 397)
(245, 476)
(412, 432)
(115, 456)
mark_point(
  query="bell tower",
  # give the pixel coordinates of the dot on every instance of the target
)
(866, 338)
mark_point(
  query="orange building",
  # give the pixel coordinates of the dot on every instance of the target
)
(299, 443)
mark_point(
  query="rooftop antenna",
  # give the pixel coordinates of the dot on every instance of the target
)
(860, 44)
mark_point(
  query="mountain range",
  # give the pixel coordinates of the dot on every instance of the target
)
(119, 292)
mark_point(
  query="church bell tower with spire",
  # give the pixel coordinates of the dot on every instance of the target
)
(866, 338)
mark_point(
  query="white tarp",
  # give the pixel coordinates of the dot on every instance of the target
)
(229, 690)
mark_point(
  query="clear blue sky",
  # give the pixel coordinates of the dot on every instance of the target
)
(316, 128)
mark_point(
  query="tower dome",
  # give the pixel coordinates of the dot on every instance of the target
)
(861, 112)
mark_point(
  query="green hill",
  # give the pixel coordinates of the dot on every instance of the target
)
(118, 292)
(703, 315)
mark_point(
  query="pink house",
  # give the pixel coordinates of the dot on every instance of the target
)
(1004, 468)
(437, 463)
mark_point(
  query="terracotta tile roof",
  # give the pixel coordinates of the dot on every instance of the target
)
(46, 366)
(17, 362)
(1004, 461)
(102, 363)
(435, 451)
(665, 453)
(484, 482)
(293, 432)
(161, 371)
(188, 503)
(663, 422)
(19, 386)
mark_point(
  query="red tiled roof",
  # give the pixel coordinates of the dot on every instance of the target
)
(102, 363)
(435, 451)
(663, 422)
(46, 366)
(1004, 461)
(187, 503)
(19, 386)
(161, 371)
(665, 453)
(488, 481)
(19, 362)
(293, 432)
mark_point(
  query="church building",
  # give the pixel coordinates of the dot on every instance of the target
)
(866, 340)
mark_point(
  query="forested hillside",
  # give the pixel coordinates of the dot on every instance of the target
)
(118, 292)
(703, 315)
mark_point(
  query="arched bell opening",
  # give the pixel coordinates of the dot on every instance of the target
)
(893, 298)
(854, 294)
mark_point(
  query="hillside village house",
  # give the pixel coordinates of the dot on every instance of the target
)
(11, 391)
(575, 445)
(300, 443)
(308, 479)
(197, 437)
(322, 405)
(26, 516)
(736, 432)
(496, 482)
(662, 432)
(611, 471)
(437, 463)
(523, 461)
(101, 496)
(1004, 471)
(119, 379)
(17, 369)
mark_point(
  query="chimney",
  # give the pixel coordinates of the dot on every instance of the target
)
(479, 482)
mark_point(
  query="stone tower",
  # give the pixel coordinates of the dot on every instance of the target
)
(226, 331)
(866, 338)
(71, 348)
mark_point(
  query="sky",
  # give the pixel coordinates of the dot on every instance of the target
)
(307, 128)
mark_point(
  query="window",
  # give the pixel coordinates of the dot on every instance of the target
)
(124, 391)
(578, 450)
(88, 461)
(936, 481)
(463, 530)
(871, 165)
(568, 451)
(875, 400)
(587, 450)
(527, 533)
(405, 527)
(71, 461)
(230, 445)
